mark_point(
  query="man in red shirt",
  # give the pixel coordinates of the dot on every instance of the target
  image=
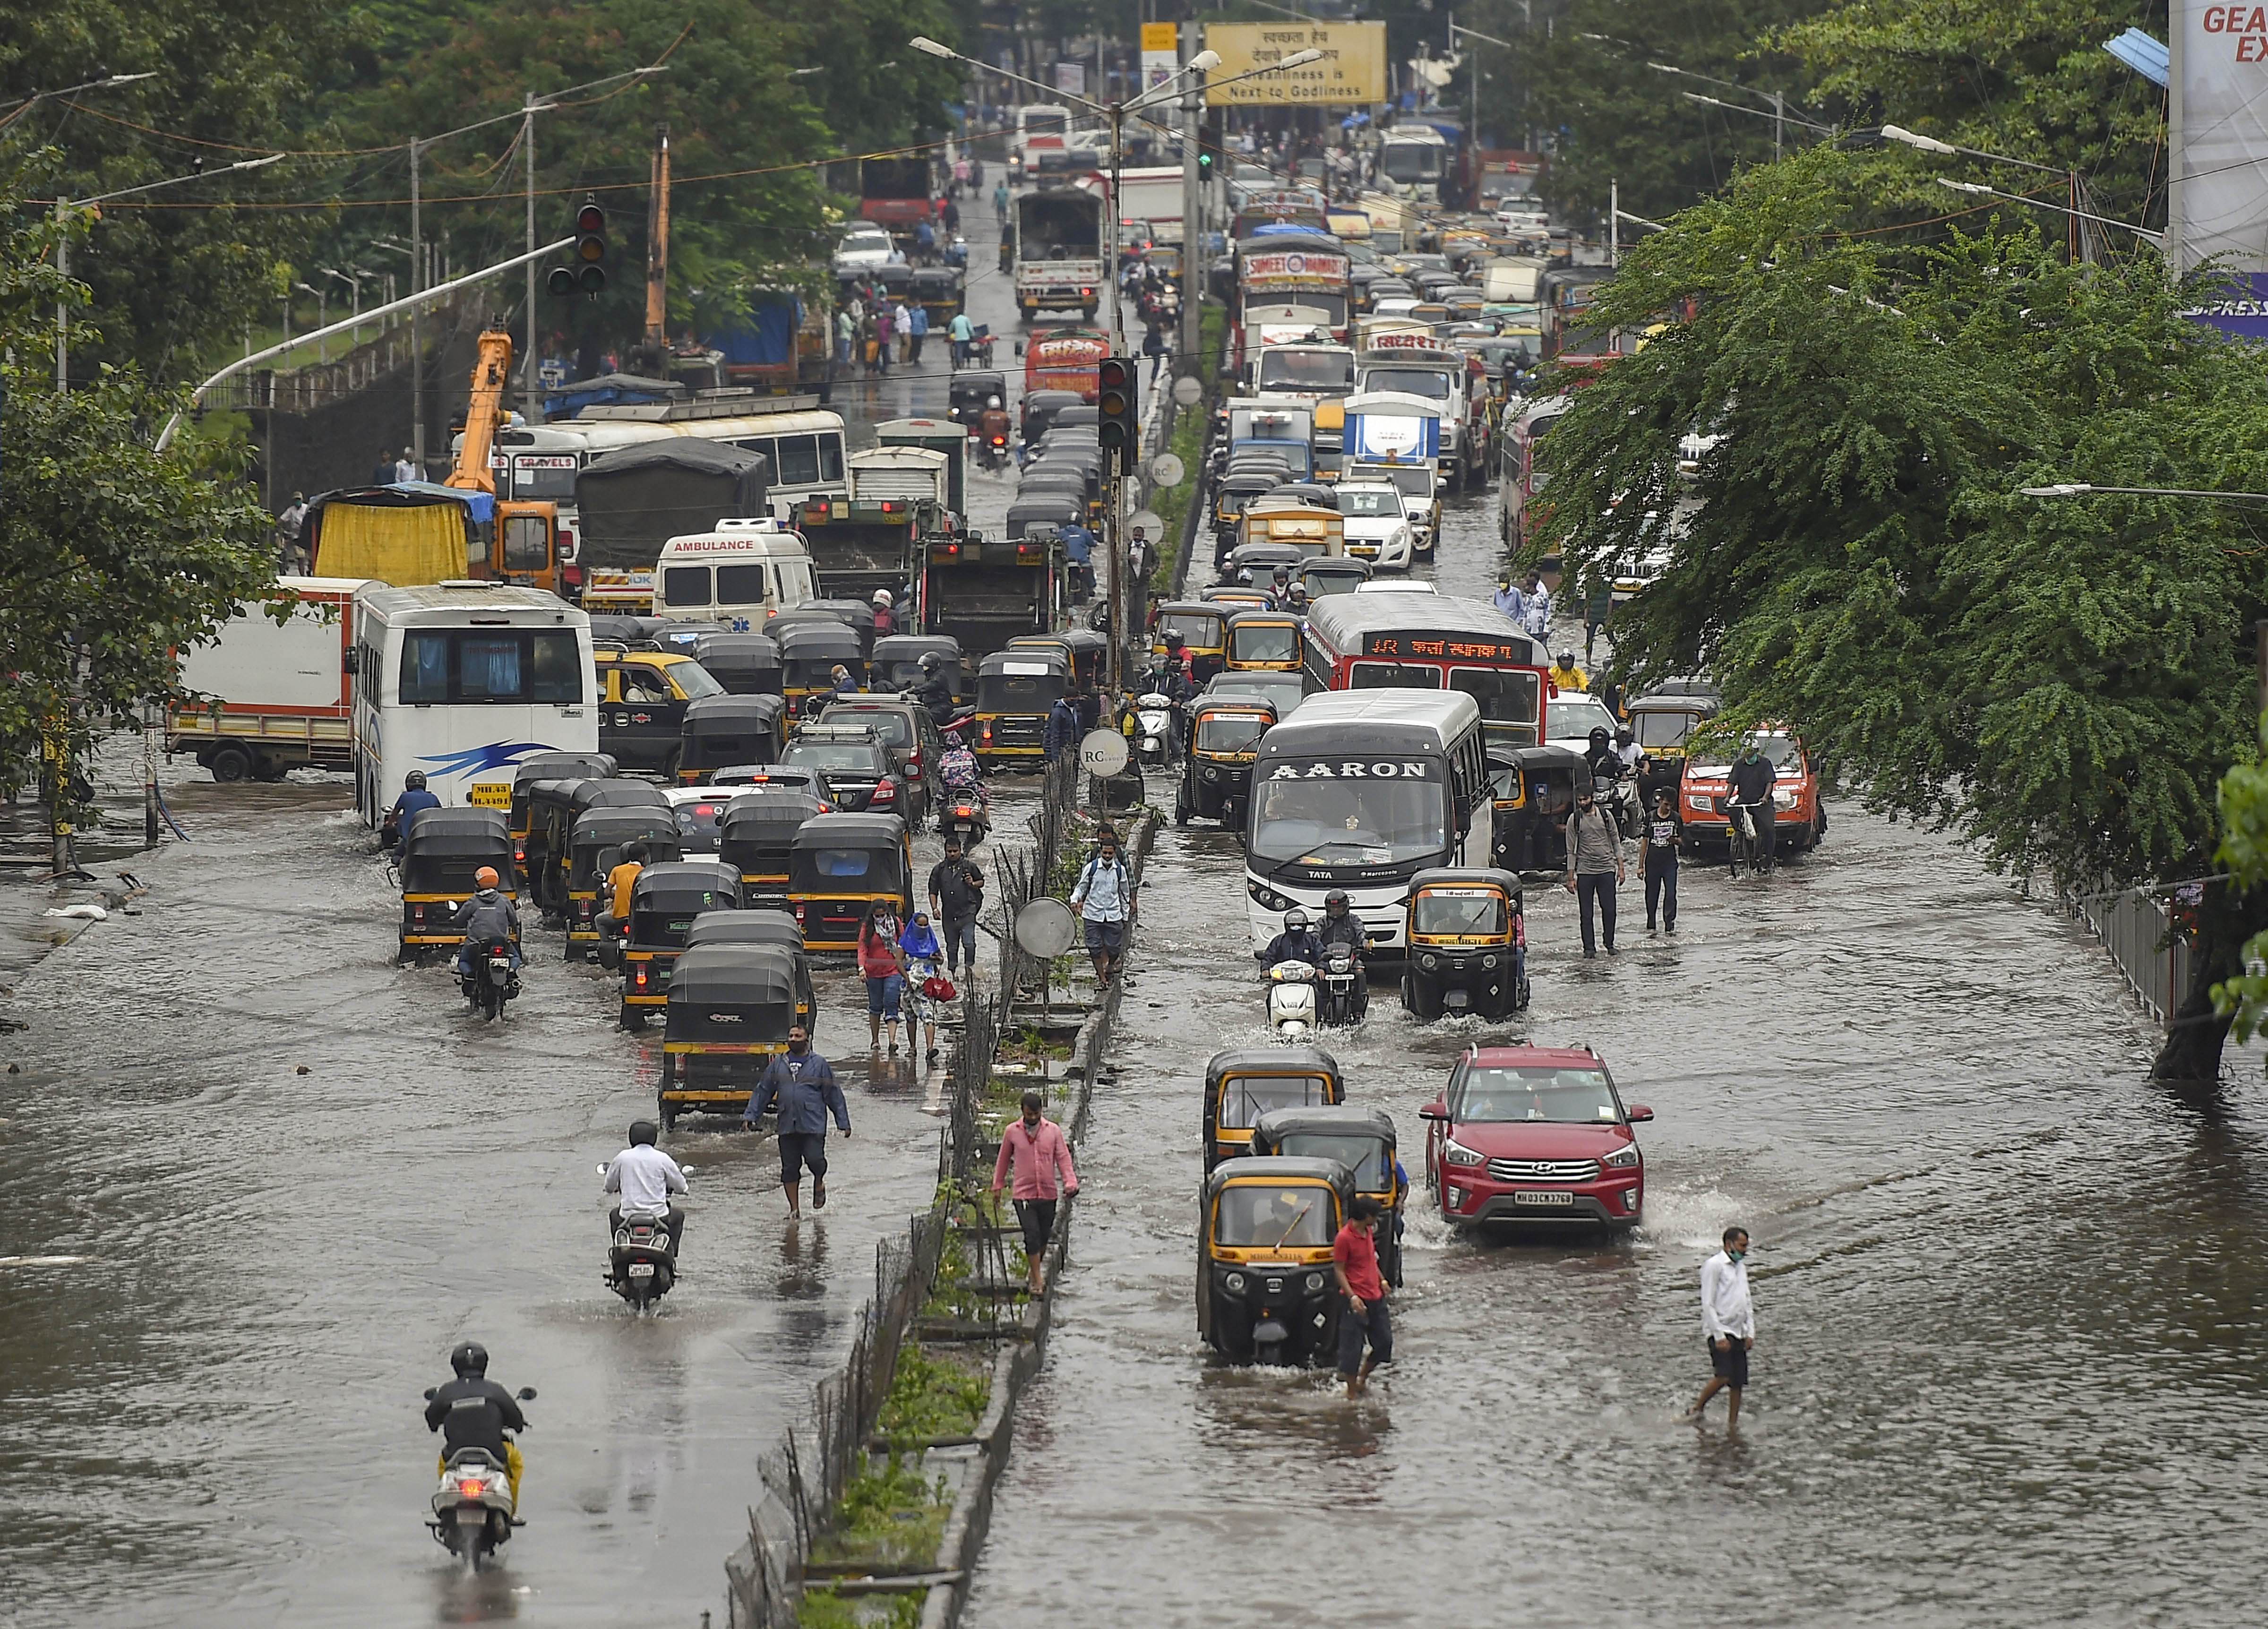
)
(1354, 1261)
(1034, 1146)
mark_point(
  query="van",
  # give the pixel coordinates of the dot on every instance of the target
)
(735, 576)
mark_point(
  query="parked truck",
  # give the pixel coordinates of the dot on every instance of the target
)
(634, 500)
(1059, 251)
(278, 695)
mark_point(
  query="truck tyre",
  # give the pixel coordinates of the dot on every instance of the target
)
(267, 769)
(230, 763)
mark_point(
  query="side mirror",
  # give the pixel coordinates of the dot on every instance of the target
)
(527, 1394)
(1435, 1110)
(1019, 347)
(1637, 1112)
(350, 658)
(430, 1392)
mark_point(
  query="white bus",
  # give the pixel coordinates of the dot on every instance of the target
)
(1361, 790)
(463, 680)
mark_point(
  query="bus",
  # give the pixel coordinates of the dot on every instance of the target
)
(896, 191)
(1291, 285)
(1362, 792)
(463, 680)
(1385, 641)
(1524, 471)
(1040, 127)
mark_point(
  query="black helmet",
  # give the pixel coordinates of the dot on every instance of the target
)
(931, 661)
(1336, 901)
(415, 781)
(641, 1134)
(1599, 736)
(1294, 919)
(471, 1358)
(1623, 737)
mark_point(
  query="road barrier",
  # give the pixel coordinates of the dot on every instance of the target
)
(2137, 930)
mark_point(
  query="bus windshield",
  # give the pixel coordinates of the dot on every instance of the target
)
(1430, 382)
(1411, 161)
(1349, 811)
(1285, 369)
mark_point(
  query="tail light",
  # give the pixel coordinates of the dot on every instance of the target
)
(913, 764)
(520, 855)
(799, 911)
(886, 790)
(984, 732)
(417, 913)
(571, 576)
(583, 909)
(639, 975)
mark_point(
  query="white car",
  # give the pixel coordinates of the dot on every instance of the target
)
(1400, 584)
(699, 810)
(863, 248)
(1571, 716)
(1377, 525)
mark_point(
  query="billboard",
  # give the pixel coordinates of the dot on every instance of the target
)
(1161, 53)
(1352, 73)
(2219, 73)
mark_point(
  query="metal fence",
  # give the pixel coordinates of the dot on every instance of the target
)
(2138, 930)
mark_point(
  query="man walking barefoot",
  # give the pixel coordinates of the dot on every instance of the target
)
(1354, 1262)
(804, 1084)
(1728, 1324)
(1034, 1146)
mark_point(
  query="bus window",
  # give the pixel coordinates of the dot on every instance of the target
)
(558, 669)
(1392, 676)
(830, 457)
(489, 667)
(425, 668)
(765, 444)
(684, 585)
(798, 464)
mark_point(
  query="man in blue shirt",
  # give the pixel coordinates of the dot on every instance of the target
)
(1510, 601)
(413, 800)
(1078, 549)
(916, 331)
(803, 1084)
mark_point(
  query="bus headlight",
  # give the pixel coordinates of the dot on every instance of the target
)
(1266, 898)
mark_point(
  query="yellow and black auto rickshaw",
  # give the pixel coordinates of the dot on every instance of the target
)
(762, 926)
(1359, 1138)
(1242, 1084)
(642, 696)
(1088, 652)
(757, 835)
(1014, 691)
(548, 766)
(721, 730)
(439, 858)
(663, 901)
(1464, 955)
(897, 661)
(543, 851)
(1204, 630)
(1266, 1293)
(746, 664)
(1225, 733)
(729, 1009)
(1262, 641)
(594, 847)
(1663, 723)
(809, 653)
(1535, 789)
(839, 866)
(1236, 596)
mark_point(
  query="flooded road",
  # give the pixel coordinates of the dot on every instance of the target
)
(2009, 1296)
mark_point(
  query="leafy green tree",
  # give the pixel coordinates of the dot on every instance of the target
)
(2063, 683)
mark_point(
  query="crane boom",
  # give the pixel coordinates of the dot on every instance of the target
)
(491, 372)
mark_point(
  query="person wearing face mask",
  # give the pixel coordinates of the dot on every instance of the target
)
(1595, 867)
(803, 1084)
(1728, 1324)
(1034, 1146)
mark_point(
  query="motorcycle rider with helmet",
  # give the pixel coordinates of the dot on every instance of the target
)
(413, 801)
(1296, 943)
(472, 1411)
(1342, 926)
(960, 774)
(886, 616)
(934, 690)
(487, 917)
(1605, 764)
(1566, 675)
(646, 1177)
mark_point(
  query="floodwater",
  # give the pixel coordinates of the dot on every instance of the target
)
(2009, 1295)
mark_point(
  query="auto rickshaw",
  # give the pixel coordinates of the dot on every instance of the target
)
(1535, 791)
(755, 925)
(938, 289)
(549, 766)
(1045, 512)
(1235, 596)
(897, 661)
(1262, 641)
(1255, 563)
(1088, 652)
(444, 849)
(664, 901)
(1230, 494)
(582, 796)
(1242, 1084)
(1225, 733)
(594, 847)
(838, 865)
(1039, 408)
(729, 1009)
(1362, 1139)
(757, 834)
(1342, 574)
(1464, 954)
(542, 852)
(1266, 1293)
(1663, 724)
(721, 730)
(968, 390)
(809, 653)
(1203, 629)
(746, 664)
(1014, 691)
(857, 615)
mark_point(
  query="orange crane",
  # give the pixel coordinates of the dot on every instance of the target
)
(524, 547)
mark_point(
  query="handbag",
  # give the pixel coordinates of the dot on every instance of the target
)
(938, 987)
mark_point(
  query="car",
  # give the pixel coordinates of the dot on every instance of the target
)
(856, 763)
(911, 735)
(1377, 524)
(1571, 716)
(699, 810)
(863, 248)
(1399, 585)
(1535, 1133)
(798, 777)
(1800, 822)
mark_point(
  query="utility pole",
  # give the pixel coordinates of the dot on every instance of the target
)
(657, 255)
(416, 287)
(1780, 121)
(530, 394)
(1614, 223)
(1192, 203)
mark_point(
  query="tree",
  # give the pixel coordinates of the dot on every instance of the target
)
(111, 558)
(2063, 683)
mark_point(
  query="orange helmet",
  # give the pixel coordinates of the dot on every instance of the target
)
(485, 877)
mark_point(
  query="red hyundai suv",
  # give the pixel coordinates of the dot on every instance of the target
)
(1535, 1133)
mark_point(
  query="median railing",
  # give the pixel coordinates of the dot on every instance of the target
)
(2139, 932)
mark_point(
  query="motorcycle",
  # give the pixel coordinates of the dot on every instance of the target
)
(1153, 730)
(1340, 1007)
(1291, 1000)
(967, 815)
(993, 450)
(472, 1508)
(641, 1261)
(1620, 795)
(487, 983)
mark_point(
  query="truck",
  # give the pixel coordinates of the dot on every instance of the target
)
(986, 591)
(896, 191)
(1152, 193)
(634, 499)
(1290, 285)
(277, 696)
(873, 540)
(942, 436)
(1067, 359)
(1058, 264)
(779, 348)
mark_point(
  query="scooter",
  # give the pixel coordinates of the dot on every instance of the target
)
(472, 1508)
(1339, 1007)
(488, 983)
(641, 1261)
(1154, 726)
(993, 450)
(965, 816)
(1291, 1000)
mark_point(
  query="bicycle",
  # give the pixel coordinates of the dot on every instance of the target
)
(1741, 845)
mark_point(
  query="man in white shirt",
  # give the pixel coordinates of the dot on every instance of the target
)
(646, 1177)
(1728, 1323)
(406, 467)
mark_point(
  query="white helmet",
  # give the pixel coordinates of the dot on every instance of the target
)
(882, 598)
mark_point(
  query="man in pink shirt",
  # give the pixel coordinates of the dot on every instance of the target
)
(1038, 1146)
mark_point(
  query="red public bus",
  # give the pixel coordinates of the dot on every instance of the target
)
(1431, 642)
(1066, 359)
(896, 191)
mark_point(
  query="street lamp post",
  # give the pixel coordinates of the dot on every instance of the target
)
(1777, 98)
(322, 317)
(2079, 251)
(353, 279)
(1978, 189)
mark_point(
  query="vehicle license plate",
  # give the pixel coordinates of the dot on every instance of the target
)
(1538, 1197)
(641, 1270)
(489, 794)
(471, 1515)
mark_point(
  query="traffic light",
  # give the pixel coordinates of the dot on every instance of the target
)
(1117, 409)
(1212, 133)
(589, 275)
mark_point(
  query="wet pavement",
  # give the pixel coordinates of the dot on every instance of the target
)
(2009, 1295)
